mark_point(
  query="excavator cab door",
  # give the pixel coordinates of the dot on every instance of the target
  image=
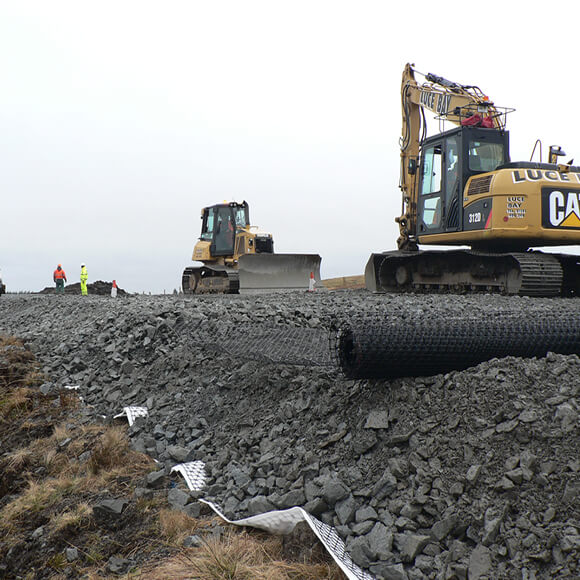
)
(439, 188)
(431, 188)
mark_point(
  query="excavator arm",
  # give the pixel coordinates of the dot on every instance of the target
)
(448, 101)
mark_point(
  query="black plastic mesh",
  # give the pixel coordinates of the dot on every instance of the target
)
(387, 348)
(277, 344)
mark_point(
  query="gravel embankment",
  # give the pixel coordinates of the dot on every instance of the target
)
(466, 474)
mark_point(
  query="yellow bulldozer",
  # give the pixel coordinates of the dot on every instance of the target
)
(460, 188)
(238, 257)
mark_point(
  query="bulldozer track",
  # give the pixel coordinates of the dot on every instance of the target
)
(209, 281)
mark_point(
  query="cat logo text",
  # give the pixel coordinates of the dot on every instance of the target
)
(560, 208)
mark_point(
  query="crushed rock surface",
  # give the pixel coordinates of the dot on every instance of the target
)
(471, 474)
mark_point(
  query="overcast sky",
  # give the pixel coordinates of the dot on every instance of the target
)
(120, 120)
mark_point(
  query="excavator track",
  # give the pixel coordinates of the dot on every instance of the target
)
(470, 271)
(206, 280)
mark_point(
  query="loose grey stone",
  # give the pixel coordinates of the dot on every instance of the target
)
(156, 479)
(441, 529)
(479, 563)
(385, 485)
(366, 513)
(111, 506)
(380, 541)
(413, 545)
(118, 565)
(345, 510)
(360, 551)
(377, 420)
(334, 490)
(390, 571)
(177, 498)
(192, 542)
(473, 474)
(259, 505)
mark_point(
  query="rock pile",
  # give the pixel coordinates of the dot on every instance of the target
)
(466, 474)
(98, 288)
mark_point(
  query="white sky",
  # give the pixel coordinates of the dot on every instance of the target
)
(120, 120)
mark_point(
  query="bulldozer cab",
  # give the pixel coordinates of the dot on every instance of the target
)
(447, 161)
(220, 225)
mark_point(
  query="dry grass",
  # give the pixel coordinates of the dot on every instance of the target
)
(18, 460)
(239, 555)
(65, 476)
(344, 282)
(176, 526)
(16, 403)
(111, 451)
(79, 515)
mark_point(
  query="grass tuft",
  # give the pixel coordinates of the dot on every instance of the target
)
(72, 519)
(111, 451)
(240, 555)
(175, 526)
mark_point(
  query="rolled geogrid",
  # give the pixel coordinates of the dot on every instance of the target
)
(392, 347)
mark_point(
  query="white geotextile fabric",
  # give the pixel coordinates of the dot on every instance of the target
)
(132, 413)
(278, 522)
(284, 521)
(193, 473)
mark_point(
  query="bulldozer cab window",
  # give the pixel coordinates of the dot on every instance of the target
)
(207, 226)
(432, 164)
(241, 217)
(485, 156)
(224, 231)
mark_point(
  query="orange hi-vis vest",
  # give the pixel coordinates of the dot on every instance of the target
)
(59, 274)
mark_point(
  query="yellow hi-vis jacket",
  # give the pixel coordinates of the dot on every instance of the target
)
(84, 275)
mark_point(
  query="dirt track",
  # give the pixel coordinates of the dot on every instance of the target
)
(472, 473)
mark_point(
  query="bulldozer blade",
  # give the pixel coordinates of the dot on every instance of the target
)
(278, 271)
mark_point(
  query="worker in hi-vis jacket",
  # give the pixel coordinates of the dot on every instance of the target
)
(84, 278)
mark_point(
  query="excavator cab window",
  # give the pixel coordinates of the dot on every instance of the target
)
(432, 163)
(485, 156)
(431, 182)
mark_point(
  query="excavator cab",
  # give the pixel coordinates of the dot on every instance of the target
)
(447, 162)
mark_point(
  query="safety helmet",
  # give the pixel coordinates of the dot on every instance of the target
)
(59, 266)
(83, 265)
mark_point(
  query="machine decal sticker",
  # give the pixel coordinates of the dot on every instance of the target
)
(488, 221)
(521, 175)
(515, 207)
(477, 215)
(441, 107)
(560, 208)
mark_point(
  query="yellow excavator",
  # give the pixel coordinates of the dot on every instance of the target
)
(459, 188)
(239, 257)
